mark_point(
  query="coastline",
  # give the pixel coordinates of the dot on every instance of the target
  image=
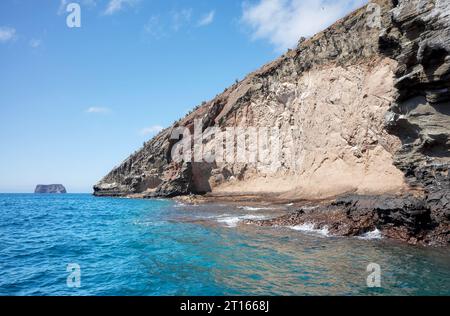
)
(398, 217)
(369, 103)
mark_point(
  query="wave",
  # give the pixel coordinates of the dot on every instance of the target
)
(311, 228)
(309, 208)
(376, 234)
(250, 208)
(233, 221)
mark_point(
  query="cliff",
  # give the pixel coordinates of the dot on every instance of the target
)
(361, 110)
(50, 189)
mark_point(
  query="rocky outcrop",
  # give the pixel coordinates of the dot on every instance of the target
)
(334, 88)
(420, 117)
(363, 110)
(50, 189)
(405, 218)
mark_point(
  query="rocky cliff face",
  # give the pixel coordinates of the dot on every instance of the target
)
(50, 189)
(362, 109)
(420, 117)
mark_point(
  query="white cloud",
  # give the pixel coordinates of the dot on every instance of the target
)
(161, 26)
(115, 6)
(283, 22)
(151, 130)
(154, 27)
(181, 18)
(207, 19)
(7, 34)
(35, 43)
(97, 110)
(62, 6)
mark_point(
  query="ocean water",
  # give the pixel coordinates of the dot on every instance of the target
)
(160, 247)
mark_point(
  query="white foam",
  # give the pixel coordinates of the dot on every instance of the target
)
(311, 228)
(309, 208)
(249, 208)
(290, 204)
(254, 217)
(376, 234)
(233, 221)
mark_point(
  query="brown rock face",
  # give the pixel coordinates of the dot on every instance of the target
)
(363, 109)
(334, 89)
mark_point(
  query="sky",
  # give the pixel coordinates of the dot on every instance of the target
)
(76, 101)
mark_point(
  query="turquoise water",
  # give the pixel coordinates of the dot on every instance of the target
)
(159, 247)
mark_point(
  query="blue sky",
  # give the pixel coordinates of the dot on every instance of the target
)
(75, 102)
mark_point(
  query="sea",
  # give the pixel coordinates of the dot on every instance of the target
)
(80, 245)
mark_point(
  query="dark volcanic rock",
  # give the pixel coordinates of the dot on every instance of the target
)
(51, 188)
(420, 117)
(406, 218)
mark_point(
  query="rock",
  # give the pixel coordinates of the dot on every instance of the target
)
(371, 103)
(50, 189)
(406, 218)
(420, 117)
(329, 85)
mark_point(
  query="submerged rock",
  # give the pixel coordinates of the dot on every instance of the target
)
(50, 189)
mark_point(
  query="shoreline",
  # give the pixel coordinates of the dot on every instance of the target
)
(359, 112)
(403, 218)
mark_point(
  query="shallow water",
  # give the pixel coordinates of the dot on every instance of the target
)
(159, 247)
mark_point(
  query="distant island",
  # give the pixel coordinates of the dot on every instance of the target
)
(50, 189)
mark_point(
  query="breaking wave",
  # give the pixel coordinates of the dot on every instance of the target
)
(376, 234)
(311, 228)
(250, 208)
(233, 221)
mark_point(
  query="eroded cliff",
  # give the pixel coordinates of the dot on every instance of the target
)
(363, 111)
